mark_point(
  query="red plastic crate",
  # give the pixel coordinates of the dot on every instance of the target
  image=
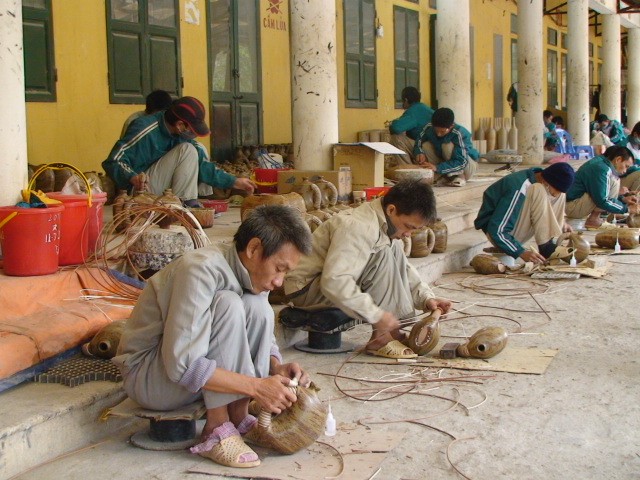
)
(375, 192)
(219, 205)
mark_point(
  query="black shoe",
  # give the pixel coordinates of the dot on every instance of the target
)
(547, 249)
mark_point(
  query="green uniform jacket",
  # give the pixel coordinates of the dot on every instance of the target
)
(412, 120)
(463, 150)
(635, 149)
(615, 132)
(593, 178)
(146, 141)
(501, 206)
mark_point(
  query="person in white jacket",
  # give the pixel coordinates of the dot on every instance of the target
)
(358, 265)
(203, 329)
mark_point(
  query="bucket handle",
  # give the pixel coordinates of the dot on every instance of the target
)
(60, 166)
(7, 218)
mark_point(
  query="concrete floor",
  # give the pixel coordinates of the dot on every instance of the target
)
(580, 419)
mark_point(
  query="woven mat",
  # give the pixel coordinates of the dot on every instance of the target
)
(78, 370)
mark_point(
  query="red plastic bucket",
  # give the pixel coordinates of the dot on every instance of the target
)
(74, 244)
(30, 240)
(96, 213)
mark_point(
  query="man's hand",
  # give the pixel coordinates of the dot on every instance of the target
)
(139, 182)
(634, 209)
(245, 184)
(388, 323)
(531, 256)
(566, 228)
(421, 159)
(292, 370)
(630, 200)
(441, 303)
(272, 394)
(623, 190)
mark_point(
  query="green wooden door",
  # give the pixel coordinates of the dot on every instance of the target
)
(234, 65)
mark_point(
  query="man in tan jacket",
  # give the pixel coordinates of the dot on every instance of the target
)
(357, 264)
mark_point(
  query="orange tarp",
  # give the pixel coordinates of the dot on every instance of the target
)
(46, 315)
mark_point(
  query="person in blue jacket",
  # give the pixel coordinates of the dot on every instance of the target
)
(597, 187)
(159, 151)
(405, 129)
(525, 204)
(631, 179)
(446, 147)
(613, 130)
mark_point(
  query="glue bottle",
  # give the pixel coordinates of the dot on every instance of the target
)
(330, 426)
(616, 248)
(573, 262)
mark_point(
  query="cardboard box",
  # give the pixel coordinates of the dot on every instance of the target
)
(340, 177)
(366, 160)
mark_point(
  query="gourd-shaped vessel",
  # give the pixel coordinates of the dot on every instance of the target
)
(61, 177)
(168, 198)
(422, 242)
(502, 139)
(328, 194)
(295, 428)
(406, 246)
(490, 137)
(46, 179)
(108, 186)
(485, 343)
(441, 233)
(313, 221)
(581, 247)
(292, 199)
(633, 221)
(626, 237)
(310, 194)
(487, 264)
(104, 343)
(513, 135)
(480, 131)
(425, 334)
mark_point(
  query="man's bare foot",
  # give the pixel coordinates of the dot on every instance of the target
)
(378, 340)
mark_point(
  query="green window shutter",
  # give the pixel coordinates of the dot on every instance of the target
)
(360, 54)
(406, 51)
(39, 66)
(144, 49)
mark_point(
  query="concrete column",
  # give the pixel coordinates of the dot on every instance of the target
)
(314, 85)
(13, 122)
(610, 95)
(453, 59)
(633, 77)
(578, 71)
(530, 105)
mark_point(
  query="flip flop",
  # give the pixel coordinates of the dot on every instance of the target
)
(393, 349)
(229, 451)
(457, 182)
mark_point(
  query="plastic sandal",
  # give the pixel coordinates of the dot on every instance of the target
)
(393, 349)
(229, 451)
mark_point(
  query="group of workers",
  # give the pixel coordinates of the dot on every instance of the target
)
(203, 328)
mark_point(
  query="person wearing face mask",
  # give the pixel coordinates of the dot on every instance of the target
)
(159, 151)
(202, 329)
(358, 265)
(524, 205)
(597, 187)
(605, 131)
(446, 148)
(631, 179)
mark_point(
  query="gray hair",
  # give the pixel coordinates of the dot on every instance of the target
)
(274, 226)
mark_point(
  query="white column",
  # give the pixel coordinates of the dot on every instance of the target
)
(453, 60)
(530, 105)
(578, 71)
(610, 95)
(314, 75)
(13, 122)
(633, 77)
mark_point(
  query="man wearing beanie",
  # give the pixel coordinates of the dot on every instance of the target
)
(597, 187)
(526, 204)
(159, 151)
(446, 148)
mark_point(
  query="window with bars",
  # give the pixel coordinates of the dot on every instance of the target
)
(406, 51)
(552, 78)
(39, 59)
(144, 49)
(360, 54)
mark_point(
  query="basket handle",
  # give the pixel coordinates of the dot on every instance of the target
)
(60, 166)
(7, 218)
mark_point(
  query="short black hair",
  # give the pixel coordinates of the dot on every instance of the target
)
(412, 196)
(602, 118)
(636, 128)
(618, 151)
(411, 95)
(558, 120)
(157, 100)
(274, 226)
(443, 117)
(547, 113)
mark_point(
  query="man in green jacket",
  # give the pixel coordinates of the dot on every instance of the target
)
(597, 187)
(159, 151)
(446, 148)
(603, 128)
(631, 179)
(405, 129)
(525, 204)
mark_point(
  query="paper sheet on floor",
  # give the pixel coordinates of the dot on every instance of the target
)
(361, 451)
(531, 360)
